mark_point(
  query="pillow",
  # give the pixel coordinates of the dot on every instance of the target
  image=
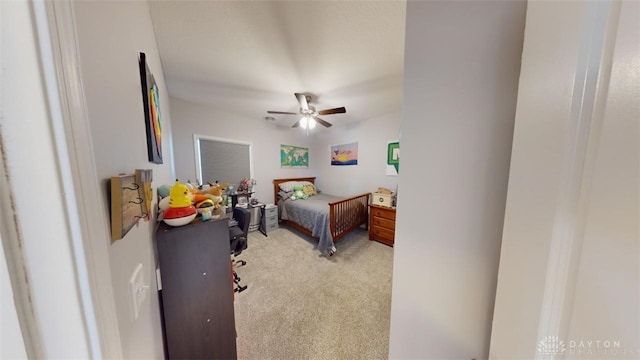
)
(288, 186)
(284, 194)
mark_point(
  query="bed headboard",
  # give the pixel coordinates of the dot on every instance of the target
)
(277, 182)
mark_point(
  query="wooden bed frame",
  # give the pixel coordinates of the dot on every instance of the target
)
(342, 219)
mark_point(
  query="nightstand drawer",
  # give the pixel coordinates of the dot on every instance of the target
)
(271, 220)
(271, 227)
(271, 211)
(383, 213)
(384, 223)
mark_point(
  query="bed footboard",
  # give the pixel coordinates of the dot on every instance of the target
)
(348, 214)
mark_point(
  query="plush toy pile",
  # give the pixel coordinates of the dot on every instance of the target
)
(298, 193)
(182, 202)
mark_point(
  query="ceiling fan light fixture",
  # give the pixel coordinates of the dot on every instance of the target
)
(309, 114)
(307, 122)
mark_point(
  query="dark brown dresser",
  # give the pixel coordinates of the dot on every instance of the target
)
(382, 224)
(197, 293)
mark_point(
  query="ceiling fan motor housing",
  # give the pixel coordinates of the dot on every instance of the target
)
(309, 112)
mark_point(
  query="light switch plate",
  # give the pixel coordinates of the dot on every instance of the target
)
(137, 290)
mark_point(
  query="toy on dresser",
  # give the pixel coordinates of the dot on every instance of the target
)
(180, 210)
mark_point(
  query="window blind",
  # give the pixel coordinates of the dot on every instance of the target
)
(225, 162)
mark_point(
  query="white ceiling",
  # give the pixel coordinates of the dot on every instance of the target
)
(247, 57)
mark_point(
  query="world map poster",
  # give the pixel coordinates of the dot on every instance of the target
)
(294, 156)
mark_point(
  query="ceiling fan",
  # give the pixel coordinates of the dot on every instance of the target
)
(309, 113)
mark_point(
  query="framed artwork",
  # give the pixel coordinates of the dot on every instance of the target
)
(294, 156)
(346, 154)
(152, 118)
(393, 158)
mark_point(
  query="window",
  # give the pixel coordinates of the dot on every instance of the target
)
(222, 160)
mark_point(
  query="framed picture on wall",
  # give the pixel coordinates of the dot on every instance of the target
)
(393, 158)
(152, 118)
(294, 156)
(346, 154)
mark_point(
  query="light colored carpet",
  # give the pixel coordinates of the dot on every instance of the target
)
(302, 305)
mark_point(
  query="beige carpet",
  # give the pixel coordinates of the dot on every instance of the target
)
(302, 305)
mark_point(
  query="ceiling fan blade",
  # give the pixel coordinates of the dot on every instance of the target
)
(302, 99)
(340, 110)
(297, 123)
(281, 112)
(322, 122)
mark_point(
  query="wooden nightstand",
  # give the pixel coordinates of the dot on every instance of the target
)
(382, 224)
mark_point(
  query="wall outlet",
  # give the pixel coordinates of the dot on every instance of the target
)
(137, 290)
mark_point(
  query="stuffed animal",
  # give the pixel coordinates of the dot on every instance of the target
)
(180, 211)
(298, 193)
(215, 194)
(309, 190)
(179, 195)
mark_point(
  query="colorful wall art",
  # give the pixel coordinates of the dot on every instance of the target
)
(152, 118)
(393, 158)
(346, 154)
(294, 156)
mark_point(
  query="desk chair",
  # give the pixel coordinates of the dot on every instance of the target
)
(238, 237)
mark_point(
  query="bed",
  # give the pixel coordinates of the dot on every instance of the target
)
(324, 217)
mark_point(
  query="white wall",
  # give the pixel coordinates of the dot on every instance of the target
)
(372, 137)
(265, 138)
(111, 34)
(462, 61)
(570, 252)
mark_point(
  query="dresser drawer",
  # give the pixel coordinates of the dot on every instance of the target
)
(384, 223)
(383, 213)
(381, 234)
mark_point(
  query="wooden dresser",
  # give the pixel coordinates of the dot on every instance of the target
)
(382, 224)
(197, 293)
